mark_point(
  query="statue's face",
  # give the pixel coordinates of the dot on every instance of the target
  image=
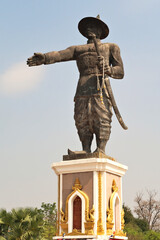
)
(93, 30)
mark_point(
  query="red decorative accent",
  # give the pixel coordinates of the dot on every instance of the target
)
(77, 213)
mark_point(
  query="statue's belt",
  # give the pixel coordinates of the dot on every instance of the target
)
(89, 96)
(91, 71)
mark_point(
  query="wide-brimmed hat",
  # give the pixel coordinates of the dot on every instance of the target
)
(95, 21)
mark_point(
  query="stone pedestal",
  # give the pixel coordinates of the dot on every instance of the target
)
(90, 199)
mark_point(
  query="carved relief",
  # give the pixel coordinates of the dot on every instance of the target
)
(89, 214)
(110, 214)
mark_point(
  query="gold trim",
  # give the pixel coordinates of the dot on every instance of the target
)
(114, 186)
(89, 228)
(77, 185)
(122, 219)
(100, 230)
(63, 219)
(63, 223)
(75, 232)
(89, 214)
(119, 233)
(58, 213)
(110, 222)
(64, 227)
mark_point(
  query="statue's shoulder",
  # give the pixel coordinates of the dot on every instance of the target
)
(112, 46)
(80, 49)
(77, 47)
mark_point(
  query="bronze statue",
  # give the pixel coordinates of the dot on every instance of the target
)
(94, 98)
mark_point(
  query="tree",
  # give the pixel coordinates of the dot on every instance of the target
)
(151, 235)
(21, 224)
(142, 224)
(49, 213)
(128, 216)
(134, 227)
(28, 223)
(133, 231)
(149, 209)
(5, 222)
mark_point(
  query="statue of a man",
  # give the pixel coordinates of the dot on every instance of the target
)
(93, 107)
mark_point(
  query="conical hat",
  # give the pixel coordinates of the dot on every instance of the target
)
(95, 21)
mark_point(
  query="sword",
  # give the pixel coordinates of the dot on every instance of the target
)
(109, 89)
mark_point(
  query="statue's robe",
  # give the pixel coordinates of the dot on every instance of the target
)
(91, 115)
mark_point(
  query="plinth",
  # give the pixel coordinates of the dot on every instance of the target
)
(90, 199)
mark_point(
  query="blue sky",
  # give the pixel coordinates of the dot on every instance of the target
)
(36, 104)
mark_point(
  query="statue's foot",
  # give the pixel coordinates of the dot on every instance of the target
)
(75, 152)
(98, 150)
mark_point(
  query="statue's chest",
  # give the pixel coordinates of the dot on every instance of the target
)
(87, 59)
(87, 55)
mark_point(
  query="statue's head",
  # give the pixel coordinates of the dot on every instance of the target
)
(90, 25)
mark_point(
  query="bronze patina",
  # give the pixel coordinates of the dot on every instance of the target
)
(94, 99)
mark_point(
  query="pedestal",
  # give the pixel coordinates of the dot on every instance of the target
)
(90, 199)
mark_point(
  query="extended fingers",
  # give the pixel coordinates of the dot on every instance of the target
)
(32, 61)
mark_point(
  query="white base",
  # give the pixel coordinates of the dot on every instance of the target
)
(101, 237)
(89, 164)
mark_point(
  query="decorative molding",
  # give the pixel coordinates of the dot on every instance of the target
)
(75, 232)
(110, 214)
(63, 217)
(89, 214)
(95, 198)
(60, 200)
(64, 227)
(77, 185)
(104, 199)
(89, 226)
(114, 187)
(122, 219)
(100, 230)
(110, 217)
(119, 233)
(58, 213)
(89, 165)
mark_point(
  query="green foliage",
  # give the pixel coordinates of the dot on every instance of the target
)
(2, 238)
(21, 224)
(152, 235)
(28, 223)
(138, 229)
(128, 216)
(133, 231)
(49, 212)
(142, 224)
(50, 218)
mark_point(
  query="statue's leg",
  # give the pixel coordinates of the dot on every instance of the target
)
(101, 144)
(102, 122)
(86, 142)
(81, 116)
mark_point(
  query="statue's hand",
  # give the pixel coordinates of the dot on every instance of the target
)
(107, 68)
(36, 59)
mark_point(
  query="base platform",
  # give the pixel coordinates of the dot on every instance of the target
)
(90, 198)
(91, 237)
(83, 155)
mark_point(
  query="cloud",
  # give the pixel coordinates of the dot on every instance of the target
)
(20, 78)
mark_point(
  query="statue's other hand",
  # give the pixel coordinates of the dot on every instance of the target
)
(36, 59)
(108, 70)
(101, 65)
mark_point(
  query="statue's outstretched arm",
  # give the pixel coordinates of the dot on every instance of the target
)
(52, 57)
